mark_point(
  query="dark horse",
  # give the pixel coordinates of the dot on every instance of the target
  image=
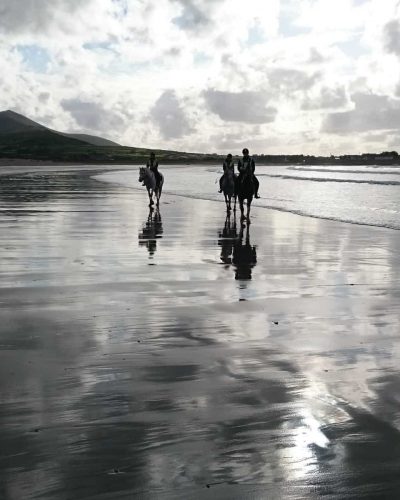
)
(245, 191)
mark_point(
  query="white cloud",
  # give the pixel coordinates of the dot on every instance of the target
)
(169, 115)
(326, 98)
(175, 73)
(244, 107)
(371, 112)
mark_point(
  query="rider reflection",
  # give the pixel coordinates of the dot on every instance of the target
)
(226, 239)
(244, 255)
(151, 231)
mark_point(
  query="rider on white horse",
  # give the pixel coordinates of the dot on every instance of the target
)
(152, 164)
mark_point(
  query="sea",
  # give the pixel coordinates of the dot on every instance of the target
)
(368, 194)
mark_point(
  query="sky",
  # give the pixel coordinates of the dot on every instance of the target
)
(276, 76)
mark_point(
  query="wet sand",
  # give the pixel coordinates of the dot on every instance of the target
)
(173, 355)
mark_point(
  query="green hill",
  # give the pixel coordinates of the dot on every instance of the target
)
(22, 138)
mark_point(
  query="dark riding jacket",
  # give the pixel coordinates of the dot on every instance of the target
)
(153, 166)
(246, 164)
(228, 165)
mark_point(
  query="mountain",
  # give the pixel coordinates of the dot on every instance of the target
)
(14, 123)
(93, 139)
(11, 122)
(22, 138)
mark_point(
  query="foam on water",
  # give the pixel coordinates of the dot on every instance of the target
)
(367, 195)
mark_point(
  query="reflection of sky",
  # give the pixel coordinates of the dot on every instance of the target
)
(161, 372)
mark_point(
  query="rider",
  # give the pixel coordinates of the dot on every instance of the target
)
(227, 165)
(152, 164)
(244, 164)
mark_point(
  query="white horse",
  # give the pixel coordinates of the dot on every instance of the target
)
(146, 175)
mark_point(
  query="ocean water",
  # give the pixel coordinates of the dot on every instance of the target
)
(356, 194)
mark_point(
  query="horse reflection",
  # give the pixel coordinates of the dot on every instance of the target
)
(227, 239)
(151, 231)
(244, 255)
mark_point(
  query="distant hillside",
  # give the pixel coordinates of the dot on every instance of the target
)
(22, 138)
(11, 122)
(93, 139)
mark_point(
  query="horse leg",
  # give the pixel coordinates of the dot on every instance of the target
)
(160, 191)
(150, 192)
(228, 203)
(248, 209)
(241, 208)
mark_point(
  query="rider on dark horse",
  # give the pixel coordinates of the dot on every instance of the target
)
(152, 164)
(246, 164)
(228, 165)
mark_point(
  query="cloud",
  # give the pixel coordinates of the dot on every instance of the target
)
(327, 98)
(35, 16)
(231, 66)
(194, 15)
(315, 57)
(291, 80)
(245, 107)
(371, 112)
(170, 117)
(92, 115)
(391, 35)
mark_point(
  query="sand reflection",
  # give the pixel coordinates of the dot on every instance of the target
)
(236, 248)
(151, 231)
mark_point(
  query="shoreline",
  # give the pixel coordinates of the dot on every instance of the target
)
(104, 169)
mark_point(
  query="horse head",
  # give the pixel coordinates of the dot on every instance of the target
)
(141, 174)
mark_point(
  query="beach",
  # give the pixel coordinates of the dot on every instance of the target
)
(178, 354)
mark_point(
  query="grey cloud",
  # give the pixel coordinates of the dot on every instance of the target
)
(92, 115)
(170, 117)
(291, 80)
(316, 57)
(391, 35)
(196, 14)
(327, 98)
(371, 112)
(246, 107)
(35, 16)
(44, 97)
